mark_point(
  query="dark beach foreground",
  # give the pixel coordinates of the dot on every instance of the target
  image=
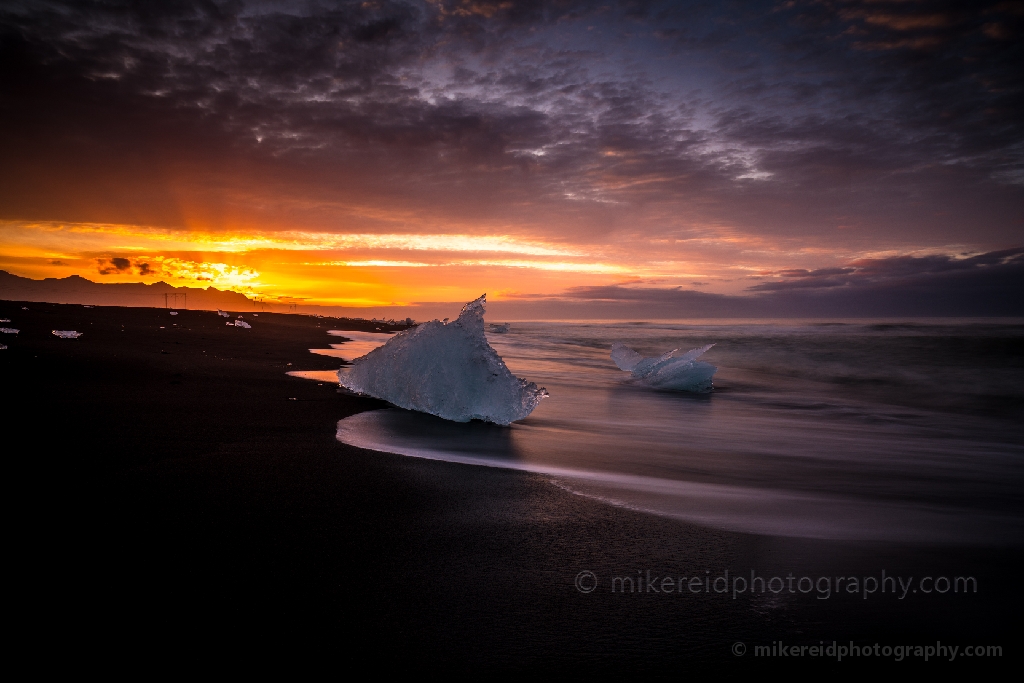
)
(176, 493)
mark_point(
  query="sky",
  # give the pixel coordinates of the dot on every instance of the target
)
(648, 158)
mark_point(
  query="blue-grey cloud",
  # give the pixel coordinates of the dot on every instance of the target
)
(990, 284)
(892, 118)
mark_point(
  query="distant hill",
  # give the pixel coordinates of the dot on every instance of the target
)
(78, 290)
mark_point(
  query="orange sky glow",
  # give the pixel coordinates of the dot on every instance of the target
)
(362, 269)
(567, 159)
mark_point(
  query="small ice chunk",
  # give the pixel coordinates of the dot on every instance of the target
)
(5, 320)
(223, 314)
(445, 369)
(67, 334)
(174, 313)
(625, 357)
(238, 323)
(668, 371)
(498, 328)
(9, 330)
(3, 346)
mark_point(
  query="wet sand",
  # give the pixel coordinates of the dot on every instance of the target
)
(177, 493)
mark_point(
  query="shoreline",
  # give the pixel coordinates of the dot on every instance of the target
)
(179, 474)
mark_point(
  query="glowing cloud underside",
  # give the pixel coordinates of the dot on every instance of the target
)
(140, 238)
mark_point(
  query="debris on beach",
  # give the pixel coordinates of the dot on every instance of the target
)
(9, 330)
(67, 334)
(445, 369)
(668, 371)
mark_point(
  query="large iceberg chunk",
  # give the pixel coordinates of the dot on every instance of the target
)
(445, 369)
(669, 371)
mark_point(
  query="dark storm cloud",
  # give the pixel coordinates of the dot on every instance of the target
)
(777, 118)
(986, 284)
(118, 265)
(113, 265)
(901, 269)
(933, 80)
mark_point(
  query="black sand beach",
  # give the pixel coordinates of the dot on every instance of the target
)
(177, 493)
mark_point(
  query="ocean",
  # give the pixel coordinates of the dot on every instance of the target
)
(866, 430)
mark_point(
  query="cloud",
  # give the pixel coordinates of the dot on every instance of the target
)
(989, 284)
(113, 265)
(121, 266)
(905, 270)
(680, 142)
(778, 121)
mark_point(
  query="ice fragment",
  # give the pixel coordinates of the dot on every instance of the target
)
(445, 369)
(668, 371)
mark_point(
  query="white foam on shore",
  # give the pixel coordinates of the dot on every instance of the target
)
(756, 510)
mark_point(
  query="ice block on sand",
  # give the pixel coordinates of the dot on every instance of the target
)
(446, 369)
